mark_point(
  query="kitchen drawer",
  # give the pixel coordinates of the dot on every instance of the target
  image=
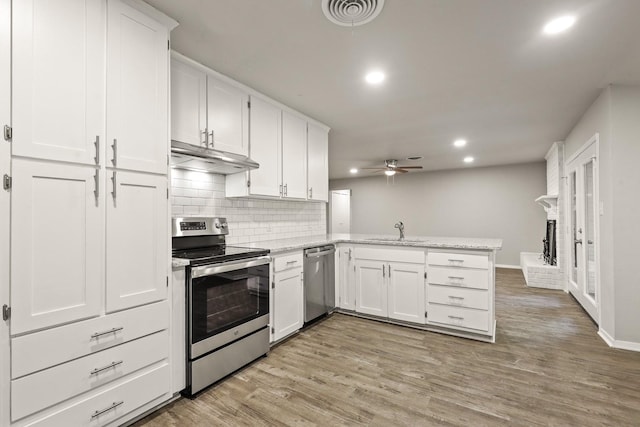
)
(286, 262)
(459, 297)
(458, 317)
(106, 406)
(460, 277)
(37, 391)
(452, 259)
(41, 350)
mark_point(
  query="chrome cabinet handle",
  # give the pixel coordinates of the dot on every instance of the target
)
(311, 192)
(206, 139)
(96, 181)
(111, 365)
(456, 260)
(383, 271)
(389, 270)
(211, 134)
(281, 193)
(115, 185)
(110, 331)
(97, 145)
(285, 190)
(114, 405)
(577, 241)
(456, 317)
(114, 146)
(456, 277)
(349, 254)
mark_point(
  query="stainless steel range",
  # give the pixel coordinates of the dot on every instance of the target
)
(227, 300)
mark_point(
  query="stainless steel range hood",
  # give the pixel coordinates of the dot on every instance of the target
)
(191, 157)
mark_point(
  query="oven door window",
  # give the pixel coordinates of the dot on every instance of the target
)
(225, 300)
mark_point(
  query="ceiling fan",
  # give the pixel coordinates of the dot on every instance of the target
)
(391, 167)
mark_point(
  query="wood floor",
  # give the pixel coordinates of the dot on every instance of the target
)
(547, 367)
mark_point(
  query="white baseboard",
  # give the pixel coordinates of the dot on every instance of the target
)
(623, 345)
(606, 337)
(515, 267)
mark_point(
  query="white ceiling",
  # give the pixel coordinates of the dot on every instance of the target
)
(478, 69)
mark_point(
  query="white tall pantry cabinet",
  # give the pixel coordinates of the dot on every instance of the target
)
(89, 212)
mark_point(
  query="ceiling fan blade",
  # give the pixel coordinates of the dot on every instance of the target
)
(409, 167)
(378, 168)
(400, 170)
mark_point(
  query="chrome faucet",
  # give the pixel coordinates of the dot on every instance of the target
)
(400, 226)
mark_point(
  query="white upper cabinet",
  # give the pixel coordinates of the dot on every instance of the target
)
(188, 104)
(56, 244)
(136, 240)
(58, 79)
(206, 110)
(265, 135)
(318, 163)
(294, 156)
(227, 117)
(137, 90)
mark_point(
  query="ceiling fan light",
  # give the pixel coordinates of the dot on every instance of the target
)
(390, 172)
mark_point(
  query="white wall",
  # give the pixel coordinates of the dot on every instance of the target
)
(615, 115)
(495, 202)
(250, 220)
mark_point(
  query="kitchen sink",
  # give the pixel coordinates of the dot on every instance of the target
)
(395, 239)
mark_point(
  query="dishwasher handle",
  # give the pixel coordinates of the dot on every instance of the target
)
(319, 254)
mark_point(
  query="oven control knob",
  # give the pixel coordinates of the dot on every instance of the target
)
(217, 225)
(224, 225)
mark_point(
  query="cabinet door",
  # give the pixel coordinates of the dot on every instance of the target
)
(137, 90)
(318, 163)
(227, 117)
(406, 292)
(347, 282)
(188, 104)
(137, 230)
(294, 156)
(371, 289)
(264, 138)
(288, 303)
(58, 79)
(56, 244)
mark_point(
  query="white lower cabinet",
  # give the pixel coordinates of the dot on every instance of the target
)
(40, 390)
(110, 403)
(287, 295)
(346, 278)
(390, 283)
(460, 291)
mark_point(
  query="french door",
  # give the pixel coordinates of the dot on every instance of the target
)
(582, 172)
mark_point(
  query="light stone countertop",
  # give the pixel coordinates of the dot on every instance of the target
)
(299, 243)
(284, 245)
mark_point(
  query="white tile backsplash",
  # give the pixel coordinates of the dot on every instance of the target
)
(250, 220)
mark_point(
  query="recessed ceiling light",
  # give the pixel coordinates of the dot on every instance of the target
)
(469, 159)
(353, 170)
(558, 25)
(460, 142)
(374, 77)
(389, 173)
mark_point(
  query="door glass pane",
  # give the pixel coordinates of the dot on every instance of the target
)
(574, 231)
(589, 225)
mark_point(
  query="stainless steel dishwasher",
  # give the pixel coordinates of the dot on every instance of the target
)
(319, 281)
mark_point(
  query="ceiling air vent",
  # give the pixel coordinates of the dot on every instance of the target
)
(350, 13)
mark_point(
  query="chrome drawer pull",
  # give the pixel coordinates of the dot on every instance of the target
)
(451, 296)
(112, 365)
(291, 262)
(456, 277)
(114, 405)
(455, 260)
(110, 331)
(456, 317)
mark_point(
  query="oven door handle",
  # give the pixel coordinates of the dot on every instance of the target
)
(208, 270)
